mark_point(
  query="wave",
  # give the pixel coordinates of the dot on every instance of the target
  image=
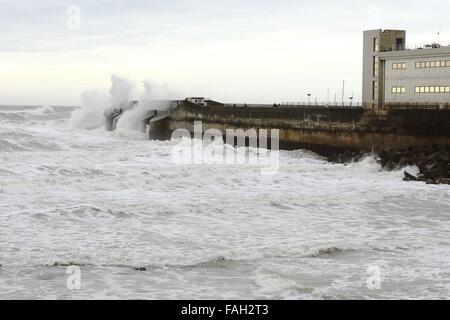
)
(13, 116)
(91, 113)
(42, 111)
(194, 260)
(26, 143)
(8, 146)
(281, 285)
(130, 134)
(26, 114)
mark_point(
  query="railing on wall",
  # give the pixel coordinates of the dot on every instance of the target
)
(410, 105)
(414, 46)
(418, 106)
(353, 105)
(320, 104)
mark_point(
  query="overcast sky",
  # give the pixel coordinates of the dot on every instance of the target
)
(228, 50)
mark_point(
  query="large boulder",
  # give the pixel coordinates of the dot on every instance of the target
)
(409, 177)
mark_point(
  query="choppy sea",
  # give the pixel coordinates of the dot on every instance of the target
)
(136, 225)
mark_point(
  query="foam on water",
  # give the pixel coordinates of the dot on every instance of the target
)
(140, 226)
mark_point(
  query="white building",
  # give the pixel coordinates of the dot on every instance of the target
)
(393, 74)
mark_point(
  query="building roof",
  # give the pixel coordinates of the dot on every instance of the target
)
(416, 53)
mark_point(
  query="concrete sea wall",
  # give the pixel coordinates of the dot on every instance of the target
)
(325, 130)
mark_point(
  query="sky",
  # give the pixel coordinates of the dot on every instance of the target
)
(253, 51)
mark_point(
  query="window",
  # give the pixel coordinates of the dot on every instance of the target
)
(375, 90)
(430, 89)
(398, 89)
(433, 64)
(400, 43)
(376, 46)
(401, 65)
(375, 66)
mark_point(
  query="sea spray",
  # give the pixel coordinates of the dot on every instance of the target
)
(95, 102)
(136, 103)
(156, 94)
(155, 97)
(90, 115)
(122, 91)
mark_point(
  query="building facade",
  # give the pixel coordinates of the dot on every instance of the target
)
(393, 74)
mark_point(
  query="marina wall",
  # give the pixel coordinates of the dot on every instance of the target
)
(324, 130)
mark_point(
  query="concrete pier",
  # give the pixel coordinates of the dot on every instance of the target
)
(324, 130)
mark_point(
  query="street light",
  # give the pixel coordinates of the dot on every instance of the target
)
(309, 98)
(351, 99)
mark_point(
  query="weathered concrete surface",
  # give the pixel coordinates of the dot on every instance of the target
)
(159, 129)
(325, 130)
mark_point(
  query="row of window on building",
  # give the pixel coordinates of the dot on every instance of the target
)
(423, 89)
(433, 89)
(398, 89)
(399, 65)
(423, 64)
(433, 64)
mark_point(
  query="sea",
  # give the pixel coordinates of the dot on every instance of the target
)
(91, 214)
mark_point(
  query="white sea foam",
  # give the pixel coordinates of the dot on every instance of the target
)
(90, 115)
(40, 111)
(154, 97)
(140, 226)
(147, 97)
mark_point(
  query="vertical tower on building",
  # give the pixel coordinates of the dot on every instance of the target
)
(376, 41)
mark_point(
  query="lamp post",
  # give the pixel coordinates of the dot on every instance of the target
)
(351, 100)
(309, 98)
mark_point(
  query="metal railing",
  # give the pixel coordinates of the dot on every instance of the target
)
(356, 105)
(409, 105)
(350, 104)
(415, 46)
(417, 106)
